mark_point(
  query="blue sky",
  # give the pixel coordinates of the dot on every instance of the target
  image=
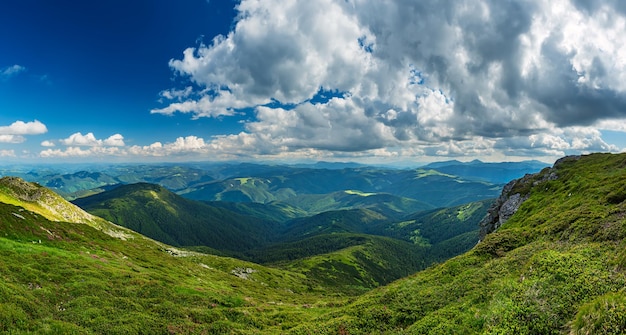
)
(358, 80)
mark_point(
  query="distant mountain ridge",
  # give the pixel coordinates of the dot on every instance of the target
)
(502, 172)
(211, 181)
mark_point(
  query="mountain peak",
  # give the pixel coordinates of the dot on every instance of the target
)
(40, 200)
(22, 189)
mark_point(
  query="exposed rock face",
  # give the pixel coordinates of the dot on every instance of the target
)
(513, 196)
(502, 209)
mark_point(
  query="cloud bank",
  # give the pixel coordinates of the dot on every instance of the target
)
(512, 78)
(81, 146)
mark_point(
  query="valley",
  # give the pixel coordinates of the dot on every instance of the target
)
(280, 260)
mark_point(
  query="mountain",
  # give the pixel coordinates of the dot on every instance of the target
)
(384, 203)
(263, 183)
(158, 213)
(427, 186)
(496, 173)
(448, 231)
(341, 221)
(273, 211)
(359, 249)
(91, 276)
(63, 277)
(552, 260)
(345, 243)
(41, 200)
(364, 261)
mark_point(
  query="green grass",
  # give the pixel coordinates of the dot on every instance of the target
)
(83, 281)
(557, 266)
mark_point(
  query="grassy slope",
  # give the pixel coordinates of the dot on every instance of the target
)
(557, 266)
(370, 262)
(160, 214)
(70, 278)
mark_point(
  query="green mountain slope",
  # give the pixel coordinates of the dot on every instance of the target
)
(158, 213)
(342, 221)
(38, 199)
(70, 278)
(551, 264)
(383, 203)
(273, 211)
(337, 248)
(449, 231)
(370, 262)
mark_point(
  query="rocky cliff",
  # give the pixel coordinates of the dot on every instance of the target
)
(514, 194)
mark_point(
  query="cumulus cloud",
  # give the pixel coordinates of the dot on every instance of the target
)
(452, 78)
(47, 144)
(80, 152)
(78, 139)
(182, 145)
(90, 140)
(24, 128)
(11, 71)
(16, 132)
(116, 140)
(83, 146)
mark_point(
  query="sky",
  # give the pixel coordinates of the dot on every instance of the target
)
(372, 81)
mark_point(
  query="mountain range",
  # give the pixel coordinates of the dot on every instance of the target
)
(266, 183)
(544, 256)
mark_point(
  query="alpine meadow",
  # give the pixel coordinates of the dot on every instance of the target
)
(341, 167)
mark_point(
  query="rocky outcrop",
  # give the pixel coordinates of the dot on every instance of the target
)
(502, 209)
(513, 196)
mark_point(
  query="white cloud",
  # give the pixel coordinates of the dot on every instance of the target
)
(182, 146)
(78, 139)
(448, 78)
(7, 153)
(24, 128)
(90, 140)
(83, 153)
(11, 71)
(48, 144)
(83, 146)
(116, 140)
(12, 139)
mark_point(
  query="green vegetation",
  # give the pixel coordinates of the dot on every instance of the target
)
(158, 213)
(70, 278)
(319, 190)
(332, 242)
(386, 204)
(557, 266)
